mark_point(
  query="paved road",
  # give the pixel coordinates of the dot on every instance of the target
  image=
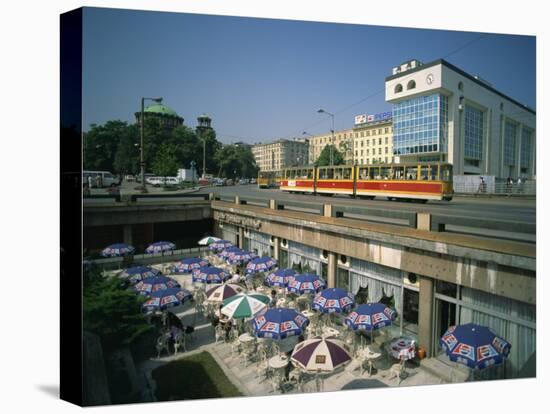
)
(522, 210)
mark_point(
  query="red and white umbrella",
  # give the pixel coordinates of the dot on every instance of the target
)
(218, 294)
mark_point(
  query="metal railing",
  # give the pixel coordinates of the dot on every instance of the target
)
(528, 188)
(378, 215)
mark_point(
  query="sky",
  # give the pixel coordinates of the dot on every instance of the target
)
(264, 79)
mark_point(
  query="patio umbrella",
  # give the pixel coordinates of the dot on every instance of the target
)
(305, 283)
(208, 240)
(218, 294)
(369, 317)
(187, 265)
(160, 247)
(220, 245)
(210, 275)
(152, 284)
(244, 305)
(280, 277)
(279, 323)
(240, 257)
(225, 253)
(167, 298)
(118, 249)
(138, 273)
(318, 355)
(475, 346)
(333, 300)
(260, 264)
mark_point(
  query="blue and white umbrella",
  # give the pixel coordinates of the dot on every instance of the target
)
(474, 345)
(220, 245)
(280, 277)
(370, 316)
(167, 298)
(152, 284)
(225, 253)
(305, 283)
(188, 265)
(279, 323)
(118, 249)
(261, 264)
(210, 275)
(240, 257)
(333, 300)
(160, 247)
(138, 273)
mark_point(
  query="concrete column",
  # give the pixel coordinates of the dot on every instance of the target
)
(423, 221)
(331, 270)
(425, 314)
(327, 210)
(241, 237)
(273, 204)
(127, 234)
(237, 200)
(276, 247)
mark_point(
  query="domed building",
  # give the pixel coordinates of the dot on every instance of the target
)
(166, 116)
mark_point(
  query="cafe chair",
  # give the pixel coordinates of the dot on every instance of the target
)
(179, 342)
(396, 371)
(162, 345)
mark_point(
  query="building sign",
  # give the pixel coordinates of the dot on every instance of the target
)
(364, 118)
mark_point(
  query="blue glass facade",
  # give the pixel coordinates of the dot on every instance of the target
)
(473, 133)
(420, 125)
(525, 152)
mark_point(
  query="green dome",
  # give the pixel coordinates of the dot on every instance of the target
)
(160, 109)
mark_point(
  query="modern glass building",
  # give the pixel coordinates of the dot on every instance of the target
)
(442, 113)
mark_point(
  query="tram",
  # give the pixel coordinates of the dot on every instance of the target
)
(419, 181)
(269, 179)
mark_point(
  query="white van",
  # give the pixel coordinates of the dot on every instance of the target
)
(100, 179)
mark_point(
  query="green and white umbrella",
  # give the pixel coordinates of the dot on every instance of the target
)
(207, 240)
(244, 305)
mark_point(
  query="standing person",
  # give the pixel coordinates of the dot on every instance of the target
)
(519, 185)
(90, 182)
(481, 188)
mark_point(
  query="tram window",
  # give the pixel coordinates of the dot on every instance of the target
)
(374, 173)
(303, 173)
(363, 173)
(411, 172)
(322, 173)
(446, 171)
(338, 173)
(385, 172)
(347, 173)
(424, 172)
(330, 173)
(433, 172)
(399, 173)
(310, 174)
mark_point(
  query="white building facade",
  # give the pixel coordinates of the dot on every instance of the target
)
(283, 153)
(442, 113)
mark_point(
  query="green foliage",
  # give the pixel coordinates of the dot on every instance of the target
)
(166, 163)
(324, 157)
(193, 377)
(112, 311)
(236, 161)
(101, 144)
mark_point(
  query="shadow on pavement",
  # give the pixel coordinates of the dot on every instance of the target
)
(363, 383)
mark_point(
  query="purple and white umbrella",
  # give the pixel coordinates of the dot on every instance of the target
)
(240, 257)
(210, 275)
(164, 299)
(261, 264)
(117, 250)
(305, 283)
(370, 316)
(218, 294)
(225, 253)
(160, 247)
(320, 355)
(188, 265)
(138, 273)
(280, 277)
(155, 283)
(333, 300)
(220, 245)
(279, 323)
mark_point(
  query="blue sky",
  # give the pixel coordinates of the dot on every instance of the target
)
(262, 79)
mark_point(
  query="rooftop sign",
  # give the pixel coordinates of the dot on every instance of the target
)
(365, 119)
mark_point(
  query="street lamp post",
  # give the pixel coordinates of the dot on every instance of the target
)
(309, 149)
(142, 159)
(322, 111)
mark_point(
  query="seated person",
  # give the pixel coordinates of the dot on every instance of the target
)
(273, 301)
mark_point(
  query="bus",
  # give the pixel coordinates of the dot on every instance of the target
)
(269, 179)
(407, 181)
(100, 179)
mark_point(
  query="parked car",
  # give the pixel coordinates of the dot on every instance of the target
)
(219, 182)
(252, 181)
(243, 181)
(129, 178)
(229, 182)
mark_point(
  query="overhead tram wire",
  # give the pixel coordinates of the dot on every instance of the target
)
(458, 49)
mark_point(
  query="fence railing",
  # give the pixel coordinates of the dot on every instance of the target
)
(378, 215)
(500, 188)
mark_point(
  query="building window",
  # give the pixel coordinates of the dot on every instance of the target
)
(510, 133)
(473, 133)
(386, 140)
(362, 132)
(398, 88)
(525, 151)
(362, 142)
(379, 131)
(379, 141)
(368, 152)
(460, 86)
(361, 153)
(411, 84)
(386, 150)
(368, 134)
(368, 143)
(379, 151)
(385, 130)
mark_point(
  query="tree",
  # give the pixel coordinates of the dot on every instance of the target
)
(112, 311)
(324, 157)
(166, 163)
(101, 143)
(236, 161)
(127, 154)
